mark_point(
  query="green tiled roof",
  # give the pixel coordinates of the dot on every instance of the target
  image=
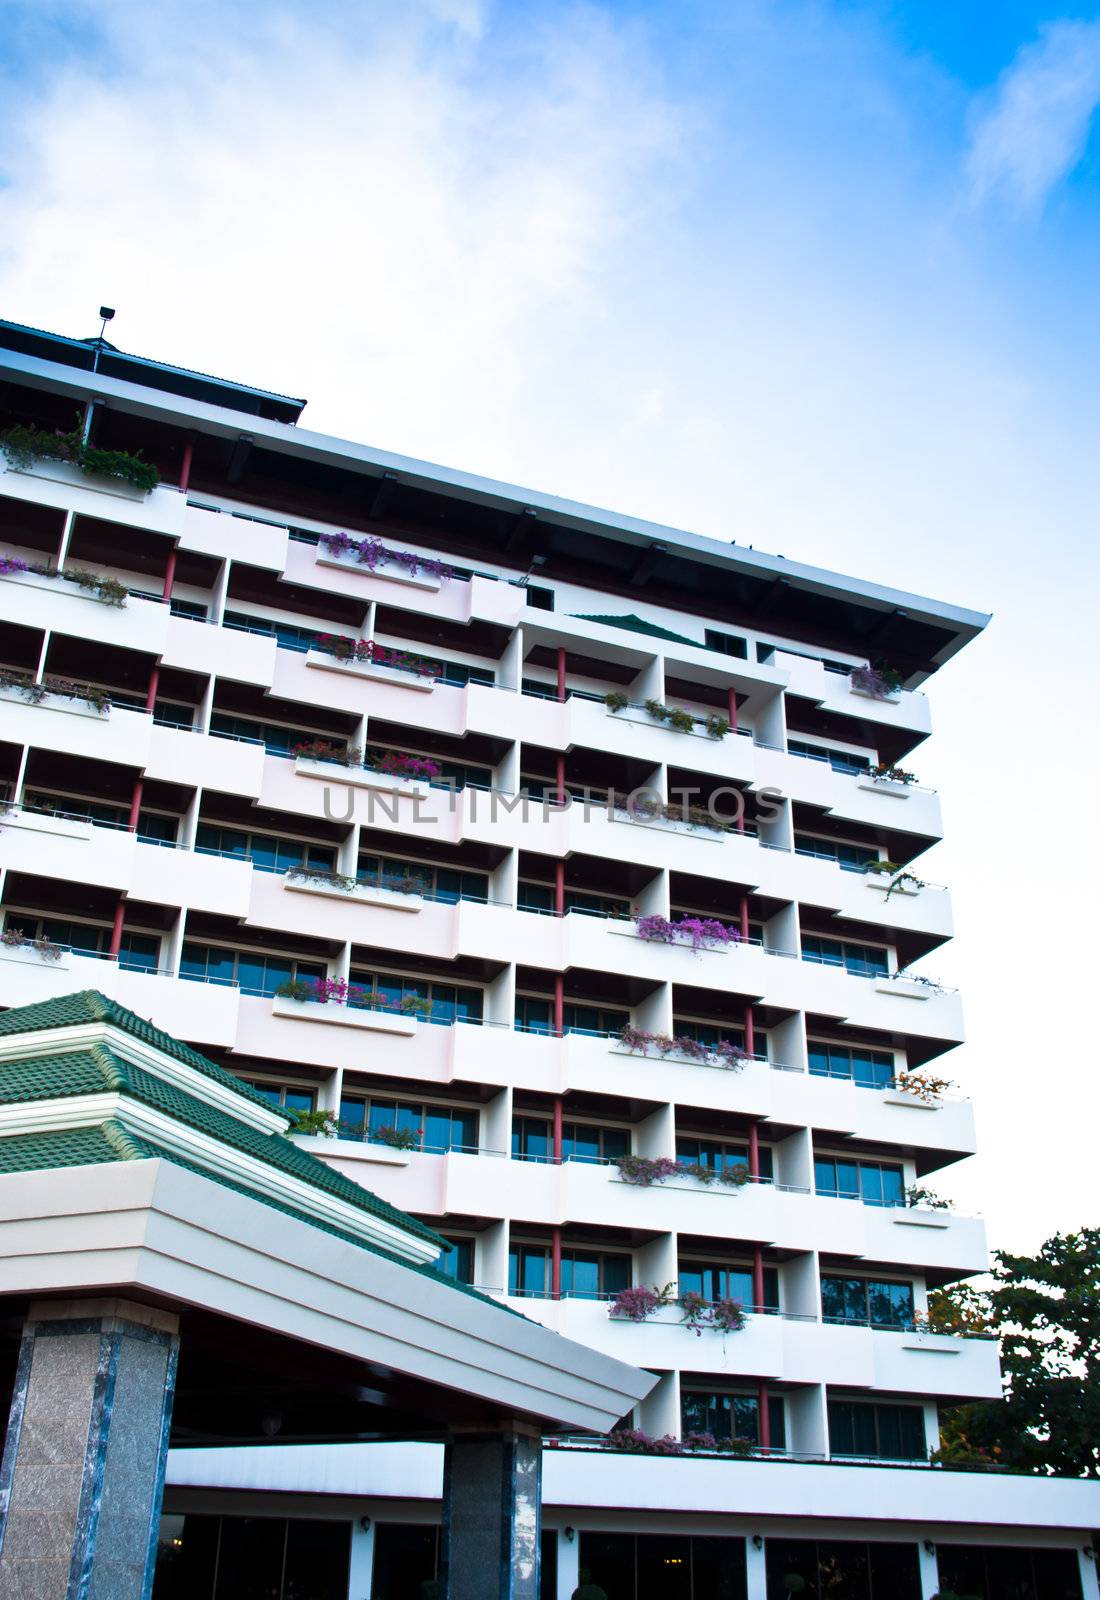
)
(88, 1005)
(637, 624)
(97, 1070)
(110, 1141)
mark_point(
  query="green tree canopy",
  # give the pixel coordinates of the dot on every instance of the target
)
(1045, 1309)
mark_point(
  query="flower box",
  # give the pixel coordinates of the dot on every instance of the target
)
(27, 956)
(897, 1097)
(43, 822)
(664, 825)
(379, 1155)
(65, 472)
(367, 669)
(358, 777)
(342, 1016)
(388, 573)
(883, 882)
(56, 702)
(364, 894)
(884, 786)
(892, 698)
(907, 988)
(912, 1217)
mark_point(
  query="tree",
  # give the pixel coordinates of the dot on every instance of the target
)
(1045, 1309)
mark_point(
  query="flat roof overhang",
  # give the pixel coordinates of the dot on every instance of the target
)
(795, 599)
(152, 1230)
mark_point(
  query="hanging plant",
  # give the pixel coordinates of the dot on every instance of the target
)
(23, 446)
(879, 680)
(398, 764)
(616, 700)
(883, 772)
(325, 750)
(702, 933)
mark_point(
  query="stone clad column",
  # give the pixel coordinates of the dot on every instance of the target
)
(491, 1515)
(83, 1470)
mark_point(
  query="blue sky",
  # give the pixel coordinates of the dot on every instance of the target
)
(820, 277)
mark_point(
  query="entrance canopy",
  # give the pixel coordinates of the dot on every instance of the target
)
(308, 1309)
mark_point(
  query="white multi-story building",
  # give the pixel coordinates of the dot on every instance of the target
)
(649, 1028)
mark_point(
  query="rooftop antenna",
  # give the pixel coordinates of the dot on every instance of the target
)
(107, 313)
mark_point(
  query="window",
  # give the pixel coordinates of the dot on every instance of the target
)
(138, 952)
(849, 857)
(153, 826)
(444, 1002)
(540, 897)
(276, 739)
(267, 851)
(532, 1140)
(173, 714)
(287, 635)
(876, 1183)
(990, 1571)
(193, 610)
(536, 1015)
(712, 1033)
(439, 1127)
(539, 597)
(840, 760)
(871, 1302)
(870, 1069)
(664, 1566)
(728, 1281)
(457, 1261)
(254, 972)
(727, 644)
(228, 1558)
(585, 1274)
(868, 1428)
(458, 673)
(281, 1094)
(861, 960)
(731, 1416)
(719, 1156)
(847, 1568)
(448, 884)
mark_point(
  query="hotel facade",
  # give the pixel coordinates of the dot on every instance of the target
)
(564, 873)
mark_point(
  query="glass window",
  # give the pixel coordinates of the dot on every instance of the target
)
(850, 857)
(720, 1157)
(727, 1281)
(533, 1015)
(528, 1270)
(875, 1183)
(532, 1139)
(732, 1416)
(444, 1003)
(874, 1302)
(139, 952)
(864, 1428)
(457, 1261)
(840, 760)
(846, 1569)
(990, 1571)
(728, 644)
(861, 960)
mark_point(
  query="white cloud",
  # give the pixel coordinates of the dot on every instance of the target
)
(1034, 130)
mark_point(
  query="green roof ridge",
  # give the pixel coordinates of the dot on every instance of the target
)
(90, 1005)
(110, 1141)
(636, 624)
(96, 1069)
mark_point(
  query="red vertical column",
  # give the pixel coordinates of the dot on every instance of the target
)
(154, 683)
(559, 1006)
(559, 888)
(555, 1264)
(757, 1276)
(764, 1421)
(733, 709)
(116, 930)
(750, 1032)
(135, 804)
(169, 573)
(557, 1131)
(561, 674)
(745, 918)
